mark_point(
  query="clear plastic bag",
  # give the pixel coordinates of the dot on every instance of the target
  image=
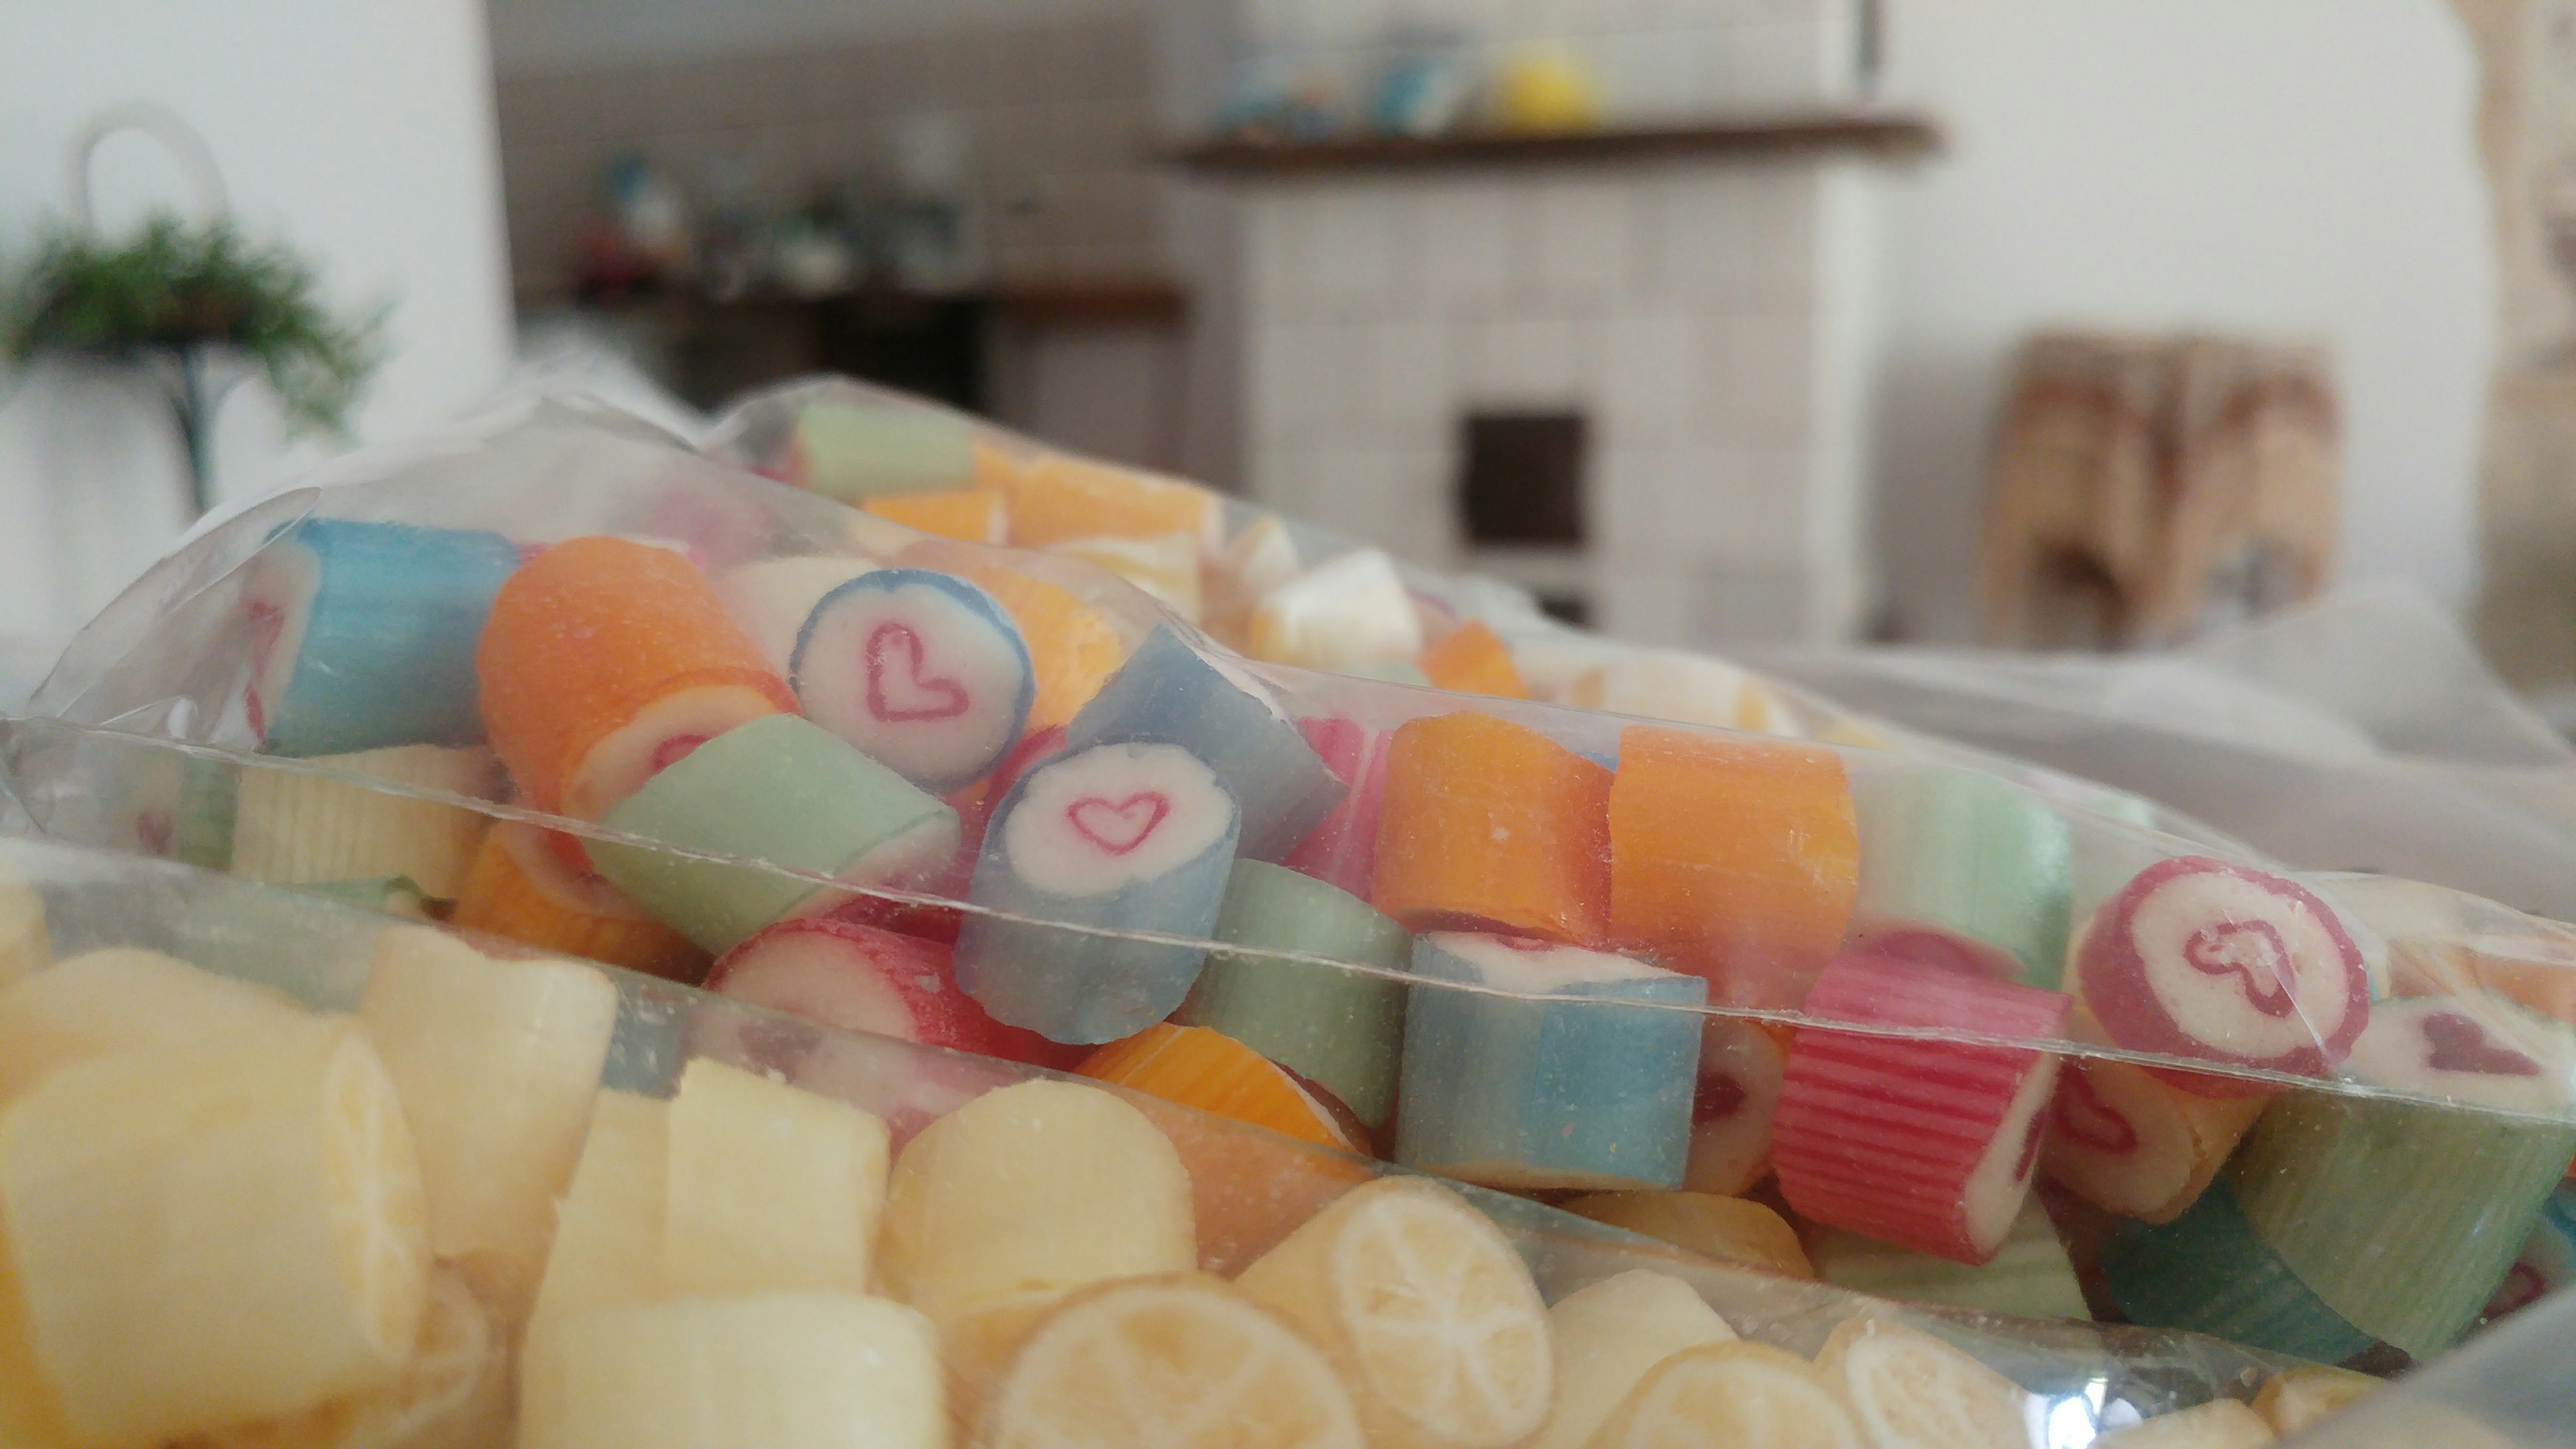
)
(387, 1160)
(1533, 947)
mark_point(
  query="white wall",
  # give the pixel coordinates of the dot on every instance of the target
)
(361, 134)
(2295, 167)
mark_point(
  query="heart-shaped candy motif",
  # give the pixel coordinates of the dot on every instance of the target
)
(2463, 1045)
(2252, 952)
(899, 692)
(2083, 1117)
(1118, 826)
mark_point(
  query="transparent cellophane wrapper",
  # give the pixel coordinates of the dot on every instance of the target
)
(1291, 591)
(1548, 1075)
(123, 970)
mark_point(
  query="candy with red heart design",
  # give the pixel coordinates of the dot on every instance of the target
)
(923, 671)
(2220, 962)
(1136, 836)
(2124, 1138)
(1733, 1104)
(1921, 1141)
(859, 978)
(1342, 848)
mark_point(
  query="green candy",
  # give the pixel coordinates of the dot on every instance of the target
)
(2030, 1276)
(1342, 1030)
(1967, 857)
(2401, 1216)
(854, 453)
(781, 790)
(201, 824)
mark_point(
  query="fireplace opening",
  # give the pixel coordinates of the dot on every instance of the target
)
(1522, 485)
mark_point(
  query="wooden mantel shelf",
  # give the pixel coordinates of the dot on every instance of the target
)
(1894, 137)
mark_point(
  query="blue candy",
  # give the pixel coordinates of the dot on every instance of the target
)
(923, 671)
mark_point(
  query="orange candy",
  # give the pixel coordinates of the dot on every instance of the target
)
(520, 889)
(1735, 859)
(1072, 646)
(971, 515)
(1056, 497)
(602, 657)
(1471, 659)
(1206, 1069)
(1488, 825)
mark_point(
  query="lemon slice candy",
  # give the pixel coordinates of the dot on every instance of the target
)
(1732, 1395)
(1426, 1310)
(1178, 1362)
(453, 1394)
(1909, 1390)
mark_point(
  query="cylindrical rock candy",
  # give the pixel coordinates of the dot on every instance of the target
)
(1056, 497)
(2207, 1272)
(2125, 1139)
(1073, 647)
(969, 515)
(860, 978)
(1590, 1088)
(1342, 848)
(1974, 864)
(1688, 688)
(1213, 1072)
(1343, 1030)
(1918, 1141)
(922, 671)
(2202, 958)
(2547, 1261)
(1165, 568)
(363, 634)
(1133, 836)
(1724, 1229)
(2030, 1276)
(773, 598)
(2405, 1215)
(781, 790)
(1488, 825)
(1259, 558)
(1734, 1104)
(1608, 1335)
(293, 828)
(521, 889)
(1348, 612)
(604, 661)
(1737, 859)
(1170, 691)
(1470, 659)
(852, 452)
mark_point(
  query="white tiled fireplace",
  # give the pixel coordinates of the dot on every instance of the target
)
(1707, 315)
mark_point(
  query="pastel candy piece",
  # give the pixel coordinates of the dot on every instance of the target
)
(1688, 688)
(773, 598)
(292, 828)
(1723, 1229)
(363, 634)
(922, 671)
(1608, 1335)
(1757, 904)
(1342, 848)
(522, 889)
(2217, 1424)
(387, 895)
(859, 978)
(2127, 1140)
(1215, 1073)
(969, 515)
(1471, 659)
(184, 806)
(1260, 557)
(1590, 1088)
(2207, 1272)
(781, 790)
(2030, 1276)
(1341, 1029)
(1905, 1387)
(1954, 853)
(1170, 691)
(1923, 1142)
(2402, 1215)
(2207, 959)
(1347, 612)
(1487, 825)
(1055, 497)
(1734, 1104)
(854, 452)
(606, 659)
(1737, 1393)
(1072, 646)
(1166, 568)
(2547, 1261)
(1131, 836)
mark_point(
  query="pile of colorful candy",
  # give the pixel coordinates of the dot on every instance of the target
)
(391, 1190)
(991, 799)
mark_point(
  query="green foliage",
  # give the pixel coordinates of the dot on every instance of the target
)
(184, 287)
